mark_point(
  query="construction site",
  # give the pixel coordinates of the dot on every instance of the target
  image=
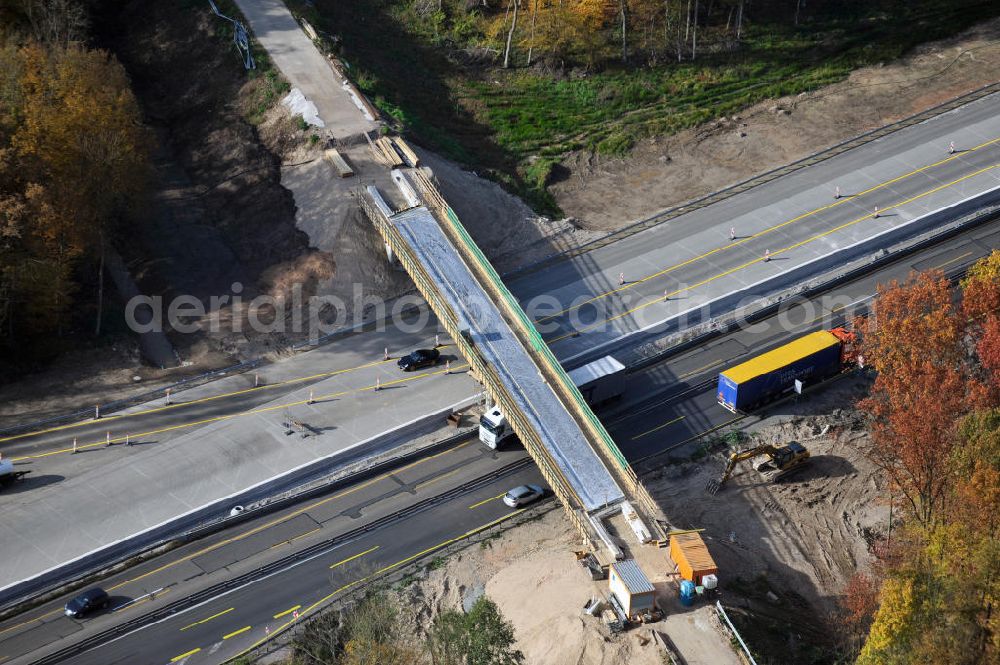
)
(684, 473)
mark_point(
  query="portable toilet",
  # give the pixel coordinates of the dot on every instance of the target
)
(631, 587)
(687, 593)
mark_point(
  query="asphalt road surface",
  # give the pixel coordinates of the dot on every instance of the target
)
(668, 404)
(582, 305)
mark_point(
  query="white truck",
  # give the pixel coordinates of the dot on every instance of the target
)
(600, 382)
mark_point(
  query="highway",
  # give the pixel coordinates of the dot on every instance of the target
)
(334, 563)
(683, 404)
(582, 307)
(231, 437)
(665, 406)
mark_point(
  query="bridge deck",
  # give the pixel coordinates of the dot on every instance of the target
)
(494, 339)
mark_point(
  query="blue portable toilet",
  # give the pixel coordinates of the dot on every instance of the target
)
(687, 593)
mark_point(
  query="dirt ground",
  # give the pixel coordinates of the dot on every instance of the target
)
(530, 571)
(799, 539)
(662, 172)
(222, 210)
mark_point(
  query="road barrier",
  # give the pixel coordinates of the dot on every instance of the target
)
(215, 590)
(757, 180)
(352, 465)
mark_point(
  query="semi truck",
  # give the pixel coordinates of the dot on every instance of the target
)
(809, 359)
(600, 382)
(8, 475)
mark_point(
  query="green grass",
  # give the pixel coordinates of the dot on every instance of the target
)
(267, 84)
(514, 125)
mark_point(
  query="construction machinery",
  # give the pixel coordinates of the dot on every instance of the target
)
(779, 463)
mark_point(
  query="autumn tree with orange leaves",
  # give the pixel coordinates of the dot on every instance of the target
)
(936, 436)
(914, 338)
(72, 169)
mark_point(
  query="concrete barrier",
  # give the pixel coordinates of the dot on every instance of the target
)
(794, 281)
(196, 520)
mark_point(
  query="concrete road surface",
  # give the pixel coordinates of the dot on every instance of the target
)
(581, 305)
(214, 441)
(304, 67)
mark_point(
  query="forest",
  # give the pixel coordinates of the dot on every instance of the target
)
(73, 165)
(510, 87)
(934, 411)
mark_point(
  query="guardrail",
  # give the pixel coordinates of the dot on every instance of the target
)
(759, 179)
(552, 369)
(447, 317)
(283, 635)
(344, 471)
(275, 566)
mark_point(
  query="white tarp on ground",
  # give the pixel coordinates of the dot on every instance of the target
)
(298, 105)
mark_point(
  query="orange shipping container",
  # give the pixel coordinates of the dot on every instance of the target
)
(688, 551)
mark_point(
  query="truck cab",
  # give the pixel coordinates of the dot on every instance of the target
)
(494, 428)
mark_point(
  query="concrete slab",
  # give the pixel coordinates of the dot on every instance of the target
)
(690, 260)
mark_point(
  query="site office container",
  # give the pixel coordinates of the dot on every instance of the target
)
(813, 357)
(691, 555)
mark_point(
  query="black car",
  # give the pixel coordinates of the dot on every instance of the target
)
(419, 358)
(87, 602)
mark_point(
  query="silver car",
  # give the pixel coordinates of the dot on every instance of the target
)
(523, 495)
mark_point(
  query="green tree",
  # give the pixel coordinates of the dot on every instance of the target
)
(481, 637)
(491, 637)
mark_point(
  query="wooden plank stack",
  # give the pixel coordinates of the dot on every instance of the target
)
(338, 162)
(385, 153)
(408, 155)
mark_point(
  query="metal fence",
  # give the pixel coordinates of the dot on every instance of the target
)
(491, 382)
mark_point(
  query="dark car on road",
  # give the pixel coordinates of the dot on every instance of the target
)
(87, 602)
(419, 358)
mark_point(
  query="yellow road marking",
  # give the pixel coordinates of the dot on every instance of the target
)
(292, 540)
(230, 416)
(236, 632)
(251, 531)
(470, 532)
(658, 427)
(690, 438)
(821, 315)
(484, 501)
(24, 623)
(957, 258)
(200, 400)
(352, 558)
(185, 655)
(700, 369)
(737, 243)
(288, 611)
(818, 236)
(207, 619)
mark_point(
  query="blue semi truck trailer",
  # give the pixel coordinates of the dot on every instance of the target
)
(809, 359)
